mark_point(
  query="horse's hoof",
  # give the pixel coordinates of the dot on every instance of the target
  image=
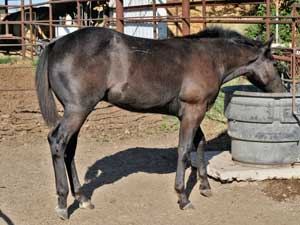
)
(206, 192)
(62, 213)
(86, 205)
(188, 206)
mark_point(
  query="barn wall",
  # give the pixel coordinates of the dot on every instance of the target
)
(145, 30)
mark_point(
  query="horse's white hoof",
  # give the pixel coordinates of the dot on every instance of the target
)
(62, 213)
(206, 192)
(86, 205)
(188, 206)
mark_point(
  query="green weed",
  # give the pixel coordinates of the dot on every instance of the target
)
(7, 60)
(35, 62)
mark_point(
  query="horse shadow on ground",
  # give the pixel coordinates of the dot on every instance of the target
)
(5, 218)
(114, 167)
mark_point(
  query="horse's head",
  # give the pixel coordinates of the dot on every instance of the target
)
(246, 57)
(263, 73)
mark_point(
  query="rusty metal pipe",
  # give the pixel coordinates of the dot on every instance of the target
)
(120, 15)
(185, 17)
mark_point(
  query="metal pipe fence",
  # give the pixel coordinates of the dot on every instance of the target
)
(29, 22)
(119, 20)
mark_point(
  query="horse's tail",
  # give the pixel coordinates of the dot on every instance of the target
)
(44, 92)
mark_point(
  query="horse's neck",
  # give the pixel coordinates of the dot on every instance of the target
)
(235, 73)
(235, 69)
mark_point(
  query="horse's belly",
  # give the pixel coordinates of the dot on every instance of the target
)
(138, 99)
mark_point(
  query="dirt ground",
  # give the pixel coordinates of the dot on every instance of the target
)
(126, 162)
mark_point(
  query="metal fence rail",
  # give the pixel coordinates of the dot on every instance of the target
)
(29, 23)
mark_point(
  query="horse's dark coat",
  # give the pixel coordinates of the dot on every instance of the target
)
(179, 76)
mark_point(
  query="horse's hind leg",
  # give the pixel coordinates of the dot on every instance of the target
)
(57, 142)
(59, 139)
(75, 185)
(199, 143)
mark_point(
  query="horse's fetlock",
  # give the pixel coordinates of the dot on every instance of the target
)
(179, 188)
(62, 193)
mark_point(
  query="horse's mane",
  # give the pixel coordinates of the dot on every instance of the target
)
(219, 32)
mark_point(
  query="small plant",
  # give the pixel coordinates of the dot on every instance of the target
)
(216, 112)
(169, 124)
(35, 62)
(7, 60)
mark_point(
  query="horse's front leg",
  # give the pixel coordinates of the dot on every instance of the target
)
(189, 123)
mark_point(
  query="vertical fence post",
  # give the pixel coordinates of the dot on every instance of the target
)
(78, 14)
(294, 62)
(186, 17)
(120, 15)
(154, 10)
(268, 18)
(176, 21)
(50, 21)
(23, 29)
(6, 8)
(204, 13)
(31, 30)
(294, 27)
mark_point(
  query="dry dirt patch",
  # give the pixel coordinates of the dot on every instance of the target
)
(282, 190)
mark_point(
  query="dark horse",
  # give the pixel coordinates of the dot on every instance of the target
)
(179, 76)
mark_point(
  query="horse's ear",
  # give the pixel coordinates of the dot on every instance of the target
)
(259, 38)
(266, 48)
(269, 42)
